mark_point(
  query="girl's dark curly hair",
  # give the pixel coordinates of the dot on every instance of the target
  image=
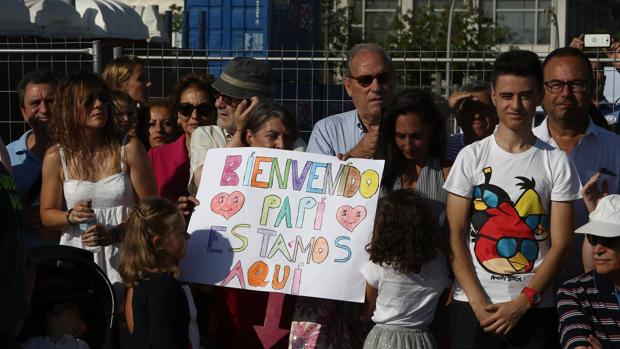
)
(408, 101)
(405, 235)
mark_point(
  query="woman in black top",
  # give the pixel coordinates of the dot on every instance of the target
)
(155, 242)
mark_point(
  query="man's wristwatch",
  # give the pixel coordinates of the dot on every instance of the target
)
(533, 296)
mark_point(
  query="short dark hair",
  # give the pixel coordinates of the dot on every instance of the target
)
(476, 86)
(43, 76)
(519, 63)
(570, 52)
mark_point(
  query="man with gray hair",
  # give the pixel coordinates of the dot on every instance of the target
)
(369, 81)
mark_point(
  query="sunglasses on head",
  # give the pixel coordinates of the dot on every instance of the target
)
(366, 80)
(600, 240)
(228, 100)
(186, 109)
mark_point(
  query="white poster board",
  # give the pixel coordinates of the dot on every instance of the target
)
(283, 221)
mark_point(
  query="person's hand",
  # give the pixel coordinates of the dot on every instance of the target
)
(577, 42)
(594, 343)
(187, 204)
(480, 311)
(243, 111)
(366, 147)
(455, 100)
(613, 52)
(343, 157)
(98, 235)
(591, 194)
(505, 316)
(82, 211)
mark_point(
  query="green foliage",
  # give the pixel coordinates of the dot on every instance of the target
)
(177, 21)
(423, 33)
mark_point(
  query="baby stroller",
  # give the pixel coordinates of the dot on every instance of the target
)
(69, 274)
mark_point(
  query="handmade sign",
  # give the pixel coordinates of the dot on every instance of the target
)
(283, 221)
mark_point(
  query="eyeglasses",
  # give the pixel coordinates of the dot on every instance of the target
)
(186, 109)
(228, 100)
(366, 80)
(557, 86)
(508, 247)
(599, 240)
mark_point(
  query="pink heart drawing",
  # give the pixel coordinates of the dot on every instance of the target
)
(349, 217)
(227, 205)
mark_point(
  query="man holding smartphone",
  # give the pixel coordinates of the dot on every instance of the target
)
(568, 90)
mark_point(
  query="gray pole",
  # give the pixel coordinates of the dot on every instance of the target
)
(97, 56)
(117, 52)
(448, 48)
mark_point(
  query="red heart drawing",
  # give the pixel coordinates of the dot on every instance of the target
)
(349, 217)
(227, 205)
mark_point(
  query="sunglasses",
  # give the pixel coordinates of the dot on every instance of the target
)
(186, 109)
(599, 240)
(366, 80)
(228, 100)
(102, 96)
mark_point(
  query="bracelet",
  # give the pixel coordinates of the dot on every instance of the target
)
(68, 215)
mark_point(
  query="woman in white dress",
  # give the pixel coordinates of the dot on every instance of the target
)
(98, 172)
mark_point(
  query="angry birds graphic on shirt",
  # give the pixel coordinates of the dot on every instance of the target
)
(506, 234)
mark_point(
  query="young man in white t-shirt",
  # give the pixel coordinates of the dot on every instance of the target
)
(510, 217)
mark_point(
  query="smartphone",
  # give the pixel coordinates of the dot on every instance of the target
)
(597, 40)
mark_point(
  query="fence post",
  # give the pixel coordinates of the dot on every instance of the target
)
(97, 56)
(117, 52)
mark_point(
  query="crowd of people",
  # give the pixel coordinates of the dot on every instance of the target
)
(504, 235)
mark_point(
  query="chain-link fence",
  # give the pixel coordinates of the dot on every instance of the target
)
(309, 83)
(18, 58)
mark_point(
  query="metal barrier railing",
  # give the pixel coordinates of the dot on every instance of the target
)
(309, 83)
(18, 58)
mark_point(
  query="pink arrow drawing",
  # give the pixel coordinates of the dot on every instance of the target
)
(270, 333)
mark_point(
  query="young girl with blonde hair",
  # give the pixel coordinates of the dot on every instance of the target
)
(158, 312)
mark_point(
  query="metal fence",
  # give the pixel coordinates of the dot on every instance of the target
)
(18, 58)
(309, 83)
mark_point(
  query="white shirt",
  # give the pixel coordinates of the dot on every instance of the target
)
(509, 224)
(407, 300)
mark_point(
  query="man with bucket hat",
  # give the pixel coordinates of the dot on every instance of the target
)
(241, 79)
(588, 305)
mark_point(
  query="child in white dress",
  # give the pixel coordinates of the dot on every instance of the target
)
(406, 275)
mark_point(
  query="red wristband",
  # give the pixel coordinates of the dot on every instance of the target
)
(533, 296)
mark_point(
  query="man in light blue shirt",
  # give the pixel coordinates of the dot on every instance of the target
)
(569, 88)
(369, 81)
(36, 96)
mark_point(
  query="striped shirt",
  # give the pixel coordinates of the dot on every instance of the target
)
(588, 305)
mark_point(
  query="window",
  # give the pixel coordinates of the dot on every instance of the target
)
(525, 20)
(373, 19)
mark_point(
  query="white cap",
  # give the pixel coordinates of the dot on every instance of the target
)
(605, 219)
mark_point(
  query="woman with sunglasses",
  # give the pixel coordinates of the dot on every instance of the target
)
(99, 172)
(194, 104)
